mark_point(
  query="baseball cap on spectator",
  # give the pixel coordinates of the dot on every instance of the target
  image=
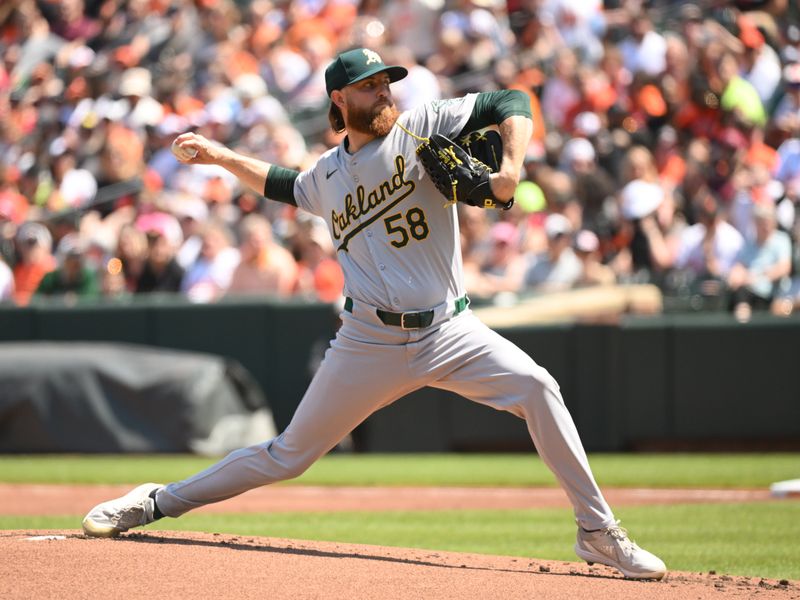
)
(173, 124)
(250, 86)
(106, 108)
(503, 232)
(152, 180)
(579, 149)
(219, 111)
(791, 75)
(667, 135)
(640, 198)
(749, 34)
(72, 245)
(162, 224)
(603, 96)
(190, 207)
(58, 146)
(34, 233)
(760, 154)
(81, 57)
(13, 207)
(135, 81)
(78, 187)
(8, 210)
(586, 241)
(775, 189)
(355, 65)
(587, 124)
(651, 101)
(556, 225)
(102, 241)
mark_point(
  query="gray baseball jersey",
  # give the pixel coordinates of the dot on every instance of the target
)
(398, 245)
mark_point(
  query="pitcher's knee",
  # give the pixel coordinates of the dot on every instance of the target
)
(540, 390)
(296, 468)
(288, 463)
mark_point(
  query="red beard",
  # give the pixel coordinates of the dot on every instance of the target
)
(375, 121)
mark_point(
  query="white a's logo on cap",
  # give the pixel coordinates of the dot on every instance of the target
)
(372, 57)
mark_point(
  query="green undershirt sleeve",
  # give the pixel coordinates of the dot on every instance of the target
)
(492, 108)
(280, 184)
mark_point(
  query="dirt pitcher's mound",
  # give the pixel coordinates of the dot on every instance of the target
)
(66, 564)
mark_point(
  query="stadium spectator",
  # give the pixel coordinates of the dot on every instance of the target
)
(209, 276)
(413, 25)
(561, 92)
(34, 260)
(265, 267)
(68, 185)
(131, 254)
(92, 93)
(593, 272)
(504, 266)
(593, 186)
(319, 276)
(762, 265)
(192, 214)
(786, 117)
(475, 244)
(73, 278)
(557, 268)
(643, 49)
(648, 250)
(14, 205)
(708, 250)
(760, 64)
(161, 272)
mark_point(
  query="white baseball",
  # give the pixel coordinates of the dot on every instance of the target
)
(183, 153)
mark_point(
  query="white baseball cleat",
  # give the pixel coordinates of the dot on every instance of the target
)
(134, 509)
(612, 546)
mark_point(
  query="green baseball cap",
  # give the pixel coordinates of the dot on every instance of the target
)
(358, 64)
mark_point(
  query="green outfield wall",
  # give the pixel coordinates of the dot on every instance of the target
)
(698, 381)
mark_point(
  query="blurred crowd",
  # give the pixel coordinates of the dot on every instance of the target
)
(666, 147)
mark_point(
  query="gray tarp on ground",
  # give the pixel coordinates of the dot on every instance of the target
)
(99, 397)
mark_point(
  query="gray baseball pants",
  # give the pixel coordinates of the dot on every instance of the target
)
(370, 365)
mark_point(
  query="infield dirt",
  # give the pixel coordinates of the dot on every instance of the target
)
(65, 565)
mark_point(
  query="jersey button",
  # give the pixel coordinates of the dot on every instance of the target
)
(355, 178)
(382, 267)
(369, 234)
(396, 300)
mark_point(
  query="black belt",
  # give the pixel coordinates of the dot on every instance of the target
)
(410, 320)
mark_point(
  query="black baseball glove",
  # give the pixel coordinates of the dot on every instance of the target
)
(460, 171)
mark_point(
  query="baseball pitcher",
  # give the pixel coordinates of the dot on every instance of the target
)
(388, 194)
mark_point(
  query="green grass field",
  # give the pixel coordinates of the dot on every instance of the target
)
(618, 470)
(752, 539)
